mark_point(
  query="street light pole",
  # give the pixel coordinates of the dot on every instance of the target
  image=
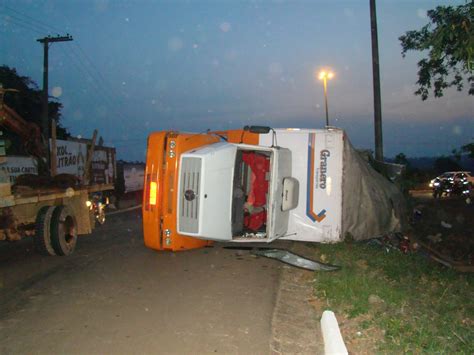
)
(324, 76)
(325, 84)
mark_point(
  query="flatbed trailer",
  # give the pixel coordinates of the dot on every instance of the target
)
(56, 207)
(54, 217)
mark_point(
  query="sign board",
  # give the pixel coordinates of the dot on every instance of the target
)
(70, 157)
(16, 166)
(103, 165)
(133, 175)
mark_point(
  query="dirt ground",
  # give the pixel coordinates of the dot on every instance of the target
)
(446, 226)
(115, 296)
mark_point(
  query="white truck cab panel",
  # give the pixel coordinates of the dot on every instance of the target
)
(214, 188)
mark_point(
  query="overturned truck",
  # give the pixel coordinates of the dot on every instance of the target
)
(260, 184)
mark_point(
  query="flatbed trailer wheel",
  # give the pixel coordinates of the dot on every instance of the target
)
(63, 231)
(42, 238)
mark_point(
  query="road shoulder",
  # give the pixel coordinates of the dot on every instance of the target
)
(295, 321)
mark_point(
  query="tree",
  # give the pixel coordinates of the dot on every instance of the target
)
(401, 158)
(27, 103)
(449, 40)
(444, 164)
(409, 171)
(469, 149)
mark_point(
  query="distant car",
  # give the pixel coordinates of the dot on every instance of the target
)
(456, 182)
(454, 176)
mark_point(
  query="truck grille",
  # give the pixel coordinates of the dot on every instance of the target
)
(189, 195)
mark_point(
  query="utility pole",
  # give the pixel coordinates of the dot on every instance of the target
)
(45, 127)
(376, 81)
(45, 114)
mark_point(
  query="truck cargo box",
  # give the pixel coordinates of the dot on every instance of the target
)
(340, 194)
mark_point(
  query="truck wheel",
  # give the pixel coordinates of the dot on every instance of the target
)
(42, 238)
(63, 231)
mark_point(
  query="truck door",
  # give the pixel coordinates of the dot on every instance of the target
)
(283, 196)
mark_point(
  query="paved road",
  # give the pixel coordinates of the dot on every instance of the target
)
(115, 296)
(422, 194)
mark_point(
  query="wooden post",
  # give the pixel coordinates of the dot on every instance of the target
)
(90, 153)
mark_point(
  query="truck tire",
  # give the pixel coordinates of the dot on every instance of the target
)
(63, 231)
(42, 238)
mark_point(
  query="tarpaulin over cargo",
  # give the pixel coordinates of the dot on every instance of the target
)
(340, 194)
(371, 204)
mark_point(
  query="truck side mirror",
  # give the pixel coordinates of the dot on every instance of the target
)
(257, 129)
(291, 188)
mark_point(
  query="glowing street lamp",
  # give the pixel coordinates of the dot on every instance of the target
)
(324, 76)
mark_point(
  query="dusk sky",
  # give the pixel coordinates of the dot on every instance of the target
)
(139, 66)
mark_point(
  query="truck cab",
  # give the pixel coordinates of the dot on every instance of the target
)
(235, 192)
(201, 188)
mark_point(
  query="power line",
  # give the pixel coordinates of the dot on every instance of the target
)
(90, 62)
(101, 89)
(80, 69)
(80, 59)
(22, 24)
(85, 65)
(31, 27)
(29, 23)
(43, 24)
(100, 83)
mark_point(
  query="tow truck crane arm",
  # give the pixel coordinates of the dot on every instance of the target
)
(29, 132)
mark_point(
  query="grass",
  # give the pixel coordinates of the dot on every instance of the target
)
(419, 306)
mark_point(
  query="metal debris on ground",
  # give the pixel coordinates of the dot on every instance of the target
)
(290, 258)
(400, 242)
(392, 241)
(417, 214)
(446, 225)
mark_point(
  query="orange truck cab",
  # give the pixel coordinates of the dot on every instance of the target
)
(219, 186)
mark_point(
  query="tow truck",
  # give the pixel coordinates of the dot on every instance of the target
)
(54, 210)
